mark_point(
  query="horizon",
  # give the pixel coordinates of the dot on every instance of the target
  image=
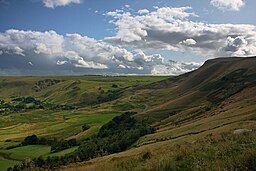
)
(121, 38)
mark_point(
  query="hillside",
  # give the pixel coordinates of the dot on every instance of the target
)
(199, 91)
(58, 107)
(201, 111)
(189, 112)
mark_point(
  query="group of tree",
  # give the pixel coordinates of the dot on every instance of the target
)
(115, 136)
(109, 95)
(18, 104)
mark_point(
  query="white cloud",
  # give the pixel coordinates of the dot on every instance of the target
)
(59, 62)
(56, 3)
(188, 42)
(143, 11)
(174, 68)
(171, 29)
(233, 5)
(237, 45)
(30, 63)
(77, 51)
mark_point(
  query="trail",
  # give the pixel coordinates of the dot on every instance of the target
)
(146, 106)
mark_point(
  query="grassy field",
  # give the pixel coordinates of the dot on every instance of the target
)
(16, 155)
(80, 90)
(30, 151)
(189, 112)
(16, 126)
(5, 164)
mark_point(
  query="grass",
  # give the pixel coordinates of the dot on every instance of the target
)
(190, 112)
(9, 158)
(62, 153)
(79, 90)
(224, 152)
(16, 126)
(31, 151)
(5, 164)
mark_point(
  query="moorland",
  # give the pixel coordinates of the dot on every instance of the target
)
(201, 120)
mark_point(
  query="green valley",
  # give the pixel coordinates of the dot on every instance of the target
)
(201, 120)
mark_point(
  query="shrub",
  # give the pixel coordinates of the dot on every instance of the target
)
(85, 127)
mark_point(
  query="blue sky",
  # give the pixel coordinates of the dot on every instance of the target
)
(82, 19)
(92, 20)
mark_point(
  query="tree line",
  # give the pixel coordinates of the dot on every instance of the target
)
(19, 104)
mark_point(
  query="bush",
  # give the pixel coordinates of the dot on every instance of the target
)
(30, 140)
(85, 127)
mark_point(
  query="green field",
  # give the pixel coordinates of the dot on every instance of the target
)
(5, 164)
(190, 113)
(81, 91)
(31, 151)
(16, 155)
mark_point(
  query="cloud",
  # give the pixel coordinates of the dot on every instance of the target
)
(237, 45)
(30, 63)
(172, 29)
(143, 11)
(56, 3)
(49, 51)
(233, 5)
(61, 62)
(188, 42)
(174, 68)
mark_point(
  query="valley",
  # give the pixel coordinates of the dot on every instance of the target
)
(174, 118)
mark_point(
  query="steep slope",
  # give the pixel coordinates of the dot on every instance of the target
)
(196, 93)
(200, 118)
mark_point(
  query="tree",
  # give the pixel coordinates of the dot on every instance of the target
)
(30, 140)
(85, 127)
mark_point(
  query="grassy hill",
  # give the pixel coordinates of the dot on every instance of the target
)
(195, 116)
(91, 95)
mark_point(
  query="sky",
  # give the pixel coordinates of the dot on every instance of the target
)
(122, 37)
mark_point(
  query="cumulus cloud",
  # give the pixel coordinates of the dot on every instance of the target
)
(172, 29)
(56, 3)
(174, 68)
(73, 51)
(143, 11)
(233, 5)
(188, 42)
(237, 45)
(162, 29)
(61, 62)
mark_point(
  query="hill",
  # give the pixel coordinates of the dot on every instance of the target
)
(204, 119)
(58, 107)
